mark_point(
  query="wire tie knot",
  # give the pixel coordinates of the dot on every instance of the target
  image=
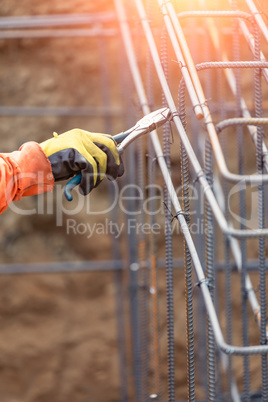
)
(199, 283)
(205, 103)
(180, 212)
(198, 176)
(180, 63)
(174, 114)
(210, 178)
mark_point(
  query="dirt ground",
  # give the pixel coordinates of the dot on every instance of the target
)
(58, 331)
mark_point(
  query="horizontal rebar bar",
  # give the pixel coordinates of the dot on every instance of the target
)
(37, 21)
(241, 121)
(232, 64)
(59, 111)
(213, 14)
(61, 267)
(105, 265)
(58, 33)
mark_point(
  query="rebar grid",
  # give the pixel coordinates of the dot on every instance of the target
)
(215, 186)
(168, 12)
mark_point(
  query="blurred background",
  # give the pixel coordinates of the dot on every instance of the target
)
(60, 333)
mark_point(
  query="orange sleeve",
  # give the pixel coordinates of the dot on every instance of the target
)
(24, 172)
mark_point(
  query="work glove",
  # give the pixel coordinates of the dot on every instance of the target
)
(91, 154)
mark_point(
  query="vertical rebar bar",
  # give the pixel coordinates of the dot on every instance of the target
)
(261, 216)
(143, 271)
(143, 280)
(209, 239)
(154, 291)
(131, 177)
(201, 375)
(210, 276)
(104, 82)
(228, 306)
(119, 300)
(222, 115)
(118, 275)
(242, 206)
(187, 257)
(168, 241)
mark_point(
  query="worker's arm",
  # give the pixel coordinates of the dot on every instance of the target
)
(33, 169)
(24, 172)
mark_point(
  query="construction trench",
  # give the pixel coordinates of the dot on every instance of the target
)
(200, 180)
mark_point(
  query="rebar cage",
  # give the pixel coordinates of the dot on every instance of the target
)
(197, 188)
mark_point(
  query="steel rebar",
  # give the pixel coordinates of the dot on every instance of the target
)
(261, 218)
(228, 349)
(242, 204)
(185, 177)
(58, 33)
(154, 260)
(37, 21)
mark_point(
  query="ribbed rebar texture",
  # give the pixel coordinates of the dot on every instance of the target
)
(232, 64)
(218, 14)
(154, 290)
(143, 284)
(223, 141)
(168, 241)
(210, 276)
(209, 245)
(261, 216)
(209, 242)
(242, 206)
(187, 256)
(241, 121)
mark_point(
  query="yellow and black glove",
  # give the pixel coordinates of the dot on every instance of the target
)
(91, 154)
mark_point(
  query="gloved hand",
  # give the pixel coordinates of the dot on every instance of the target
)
(91, 154)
